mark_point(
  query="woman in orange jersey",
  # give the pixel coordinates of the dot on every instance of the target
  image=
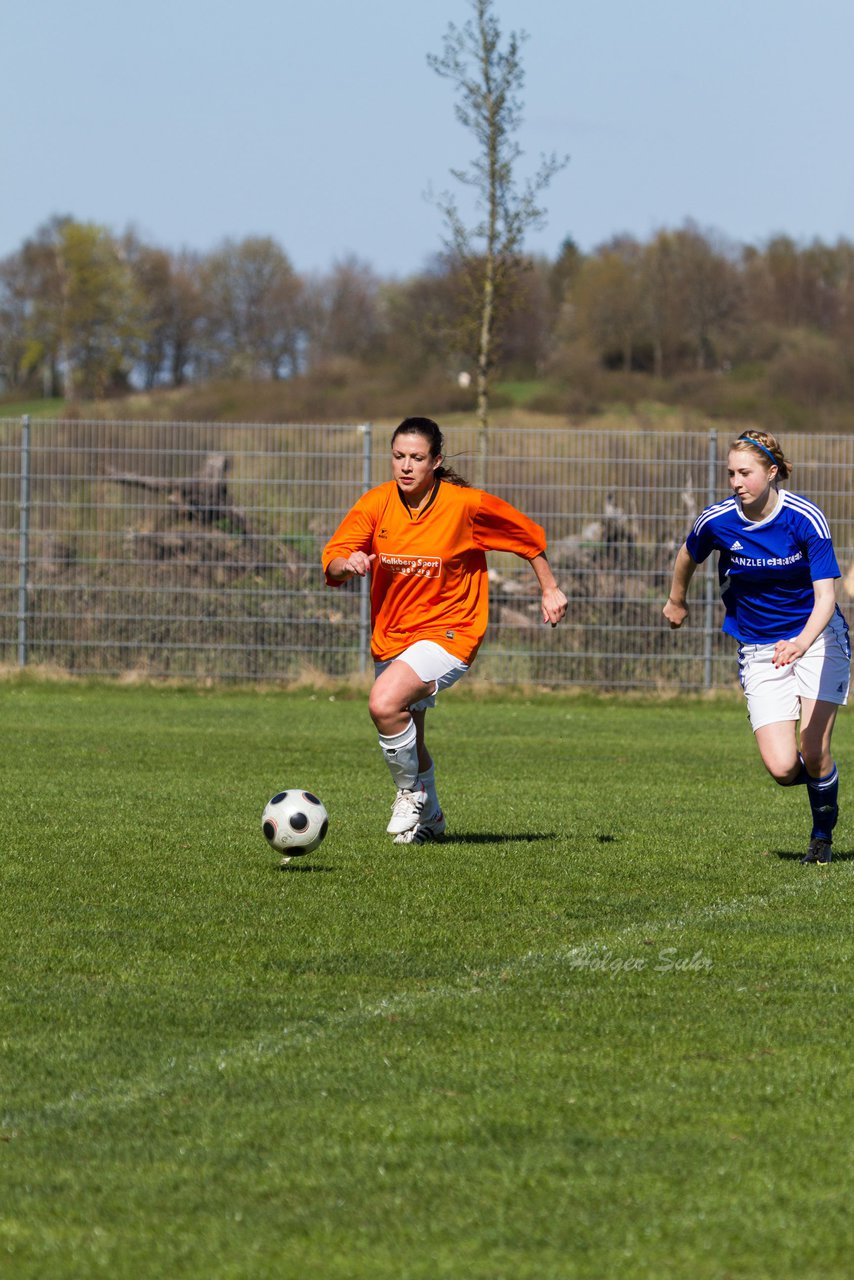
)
(422, 537)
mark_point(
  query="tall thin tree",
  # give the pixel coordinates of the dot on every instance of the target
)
(488, 77)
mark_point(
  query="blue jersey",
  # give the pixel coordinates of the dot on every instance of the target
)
(766, 567)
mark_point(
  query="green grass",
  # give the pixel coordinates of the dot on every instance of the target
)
(43, 408)
(603, 1031)
(522, 391)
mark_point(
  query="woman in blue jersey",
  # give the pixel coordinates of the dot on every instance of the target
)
(777, 566)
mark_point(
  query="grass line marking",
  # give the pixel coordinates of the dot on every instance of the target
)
(468, 985)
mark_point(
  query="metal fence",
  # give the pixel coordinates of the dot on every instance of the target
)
(192, 550)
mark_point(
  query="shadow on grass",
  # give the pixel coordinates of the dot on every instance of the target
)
(290, 867)
(499, 837)
(787, 856)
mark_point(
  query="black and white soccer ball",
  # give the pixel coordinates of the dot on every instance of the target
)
(294, 823)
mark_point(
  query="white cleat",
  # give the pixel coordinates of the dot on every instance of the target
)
(430, 829)
(406, 810)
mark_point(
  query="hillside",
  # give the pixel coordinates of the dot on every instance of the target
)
(606, 401)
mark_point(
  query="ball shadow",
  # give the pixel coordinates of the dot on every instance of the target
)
(303, 866)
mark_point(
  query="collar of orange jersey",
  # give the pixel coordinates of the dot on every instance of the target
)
(415, 512)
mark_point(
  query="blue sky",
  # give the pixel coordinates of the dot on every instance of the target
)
(321, 124)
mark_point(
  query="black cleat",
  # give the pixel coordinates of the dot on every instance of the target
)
(820, 851)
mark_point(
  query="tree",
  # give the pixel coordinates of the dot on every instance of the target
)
(76, 310)
(526, 338)
(608, 300)
(659, 283)
(152, 273)
(39, 284)
(186, 315)
(170, 292)
(253, 308)
(488, 78)
(101, 325)
(564, 273)
(709, 291)
(423, 320)
(344, 312)
(794, 286)
(13, 323)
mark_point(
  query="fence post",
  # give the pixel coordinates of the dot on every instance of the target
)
(24, 541)
(709, 622)
(366, 433)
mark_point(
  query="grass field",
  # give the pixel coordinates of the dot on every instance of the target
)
(45, 408)
(603, 1031)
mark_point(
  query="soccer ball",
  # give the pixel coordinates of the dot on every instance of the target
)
(294, 823)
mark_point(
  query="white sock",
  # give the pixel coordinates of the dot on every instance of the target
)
(428, 779)
(401, 756)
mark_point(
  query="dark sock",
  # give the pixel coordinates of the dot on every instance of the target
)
(823, 795)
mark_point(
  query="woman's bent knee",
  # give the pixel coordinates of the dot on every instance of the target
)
(785, 777)
(387, 703)
(381, 706)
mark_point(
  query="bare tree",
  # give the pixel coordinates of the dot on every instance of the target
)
(251, 298)
(709, 288)
(607, 300)
(169, 287)
(488, 78)
(343, 311)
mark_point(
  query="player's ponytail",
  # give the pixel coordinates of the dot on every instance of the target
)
(450, 476)
(765, 446)
(431, 432)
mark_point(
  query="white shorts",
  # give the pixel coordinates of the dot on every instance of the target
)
(823, 674)
(432, 664)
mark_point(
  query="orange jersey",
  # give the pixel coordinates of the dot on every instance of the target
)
(429, 578)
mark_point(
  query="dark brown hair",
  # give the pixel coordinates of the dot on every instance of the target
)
(431, 432)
